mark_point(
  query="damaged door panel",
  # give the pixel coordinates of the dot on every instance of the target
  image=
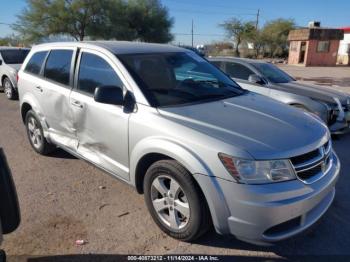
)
(101, 129)
(56, 92)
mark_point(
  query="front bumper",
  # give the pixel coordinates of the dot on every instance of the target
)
(341, 127)
(263, 214)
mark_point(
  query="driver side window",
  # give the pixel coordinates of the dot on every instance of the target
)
(238, 71)
(94, 71)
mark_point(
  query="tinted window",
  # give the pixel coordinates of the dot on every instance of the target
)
(35, 62)
(273, 73)
(238, 71)
(95, 71)
(15, 56)
(58, 66)
(171, 79)
(218, 64)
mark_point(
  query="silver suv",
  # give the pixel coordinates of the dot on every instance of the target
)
(11, 59)
(202, 150)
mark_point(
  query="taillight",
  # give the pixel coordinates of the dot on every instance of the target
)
(17, 77)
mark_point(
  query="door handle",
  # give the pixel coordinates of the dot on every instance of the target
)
(77, 104)
(39, 88)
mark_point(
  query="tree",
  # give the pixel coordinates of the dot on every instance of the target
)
(239, 31)
(274, 36)
(43, 18)
(145, 20)
(142, 20)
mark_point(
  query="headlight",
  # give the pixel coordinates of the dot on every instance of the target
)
(258, 172)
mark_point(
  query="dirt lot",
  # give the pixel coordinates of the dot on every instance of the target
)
(335, 77)
(61, 202)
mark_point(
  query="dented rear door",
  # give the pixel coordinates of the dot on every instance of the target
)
(55, 91)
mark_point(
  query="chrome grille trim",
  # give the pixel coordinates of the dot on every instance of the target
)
(315, 168)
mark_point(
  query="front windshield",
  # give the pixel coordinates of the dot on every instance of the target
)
(273, 73)
(14, 56)
(170, 79)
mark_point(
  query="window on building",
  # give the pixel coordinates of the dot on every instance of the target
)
(323, 46)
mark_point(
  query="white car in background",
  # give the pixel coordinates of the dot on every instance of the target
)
(11, 59)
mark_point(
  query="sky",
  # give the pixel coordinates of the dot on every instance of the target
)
(208, 14)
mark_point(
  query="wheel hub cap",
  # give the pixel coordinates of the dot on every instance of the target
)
(170, 202)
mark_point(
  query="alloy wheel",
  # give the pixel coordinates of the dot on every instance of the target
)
(8, 89)
(35, 133)
(170, 202)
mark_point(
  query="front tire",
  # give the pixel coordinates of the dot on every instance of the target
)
(9, 90)
(175, 201)
(36, 135)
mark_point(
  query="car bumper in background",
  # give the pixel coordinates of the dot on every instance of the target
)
(263, 214)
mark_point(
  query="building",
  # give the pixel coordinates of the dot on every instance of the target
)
(314, 46)
(344, 48)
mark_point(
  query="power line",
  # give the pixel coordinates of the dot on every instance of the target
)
(209, 5)
(189, 34)
(209, 13)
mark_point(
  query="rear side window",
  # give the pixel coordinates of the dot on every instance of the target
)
(14, 56)
(238, 71)
(94, 71)
(35, 63)
(58, 66)
(218, 64)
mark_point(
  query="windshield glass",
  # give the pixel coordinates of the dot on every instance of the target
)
(170, 79)
(273, 73)
(15, 56)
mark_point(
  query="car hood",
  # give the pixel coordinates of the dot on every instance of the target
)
(313, 91)
(15, 66)
(263, 127)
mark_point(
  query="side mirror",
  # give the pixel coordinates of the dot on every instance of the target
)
(112, 95)
(255, 79)
(9, 208)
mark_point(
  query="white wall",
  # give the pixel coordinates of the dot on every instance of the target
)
(344, 45)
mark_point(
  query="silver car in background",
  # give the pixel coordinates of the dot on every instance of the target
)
(11, 59)
(202, 150)
(332, 106)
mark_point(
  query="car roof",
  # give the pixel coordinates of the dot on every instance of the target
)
(117, 47)
(237, 59)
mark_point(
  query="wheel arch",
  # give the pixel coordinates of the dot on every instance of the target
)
(149, 151)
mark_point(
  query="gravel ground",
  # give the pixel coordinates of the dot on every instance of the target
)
(61, 201)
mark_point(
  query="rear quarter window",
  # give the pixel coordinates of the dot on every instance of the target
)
(35, 62)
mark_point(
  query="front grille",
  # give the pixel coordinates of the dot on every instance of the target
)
(312, 165)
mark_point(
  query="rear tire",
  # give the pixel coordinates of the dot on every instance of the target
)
(36, 135)
(175, 201)
(9, 90)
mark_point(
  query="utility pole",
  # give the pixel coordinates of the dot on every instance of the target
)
(192, 32)
(257, 19)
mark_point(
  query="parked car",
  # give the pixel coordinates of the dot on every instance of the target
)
(332, 106)
(11, 59)
(200, 148)
(9, 208)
